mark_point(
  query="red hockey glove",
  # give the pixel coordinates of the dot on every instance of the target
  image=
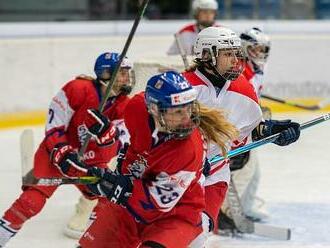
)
(66, 160)
(100, 127)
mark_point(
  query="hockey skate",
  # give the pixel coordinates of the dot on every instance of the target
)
(79, 221)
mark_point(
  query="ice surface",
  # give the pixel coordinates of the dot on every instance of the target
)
(295, 183)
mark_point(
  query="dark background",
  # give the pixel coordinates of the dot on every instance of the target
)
(75, 10)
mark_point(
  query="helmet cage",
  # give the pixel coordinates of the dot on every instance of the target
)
(183, 130)
(210, 56)
(256, 46)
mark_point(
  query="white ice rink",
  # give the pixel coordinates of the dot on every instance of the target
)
(295, 183)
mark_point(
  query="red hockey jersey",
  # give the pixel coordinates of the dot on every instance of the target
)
(67, 112)
(167, 174)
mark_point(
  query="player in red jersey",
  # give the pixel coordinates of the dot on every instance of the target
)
(205, 12)
(156, 198)
(217, 77)
(70, 118)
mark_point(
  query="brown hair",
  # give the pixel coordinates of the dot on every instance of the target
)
(216, 128)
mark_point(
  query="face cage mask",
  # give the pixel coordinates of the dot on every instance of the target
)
(259, 58)
(181, 132)
(124, 89)
(234, 72)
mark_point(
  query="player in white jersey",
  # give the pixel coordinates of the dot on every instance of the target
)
(217, 78)
(245, 167)
(204, 12)
(256, 48)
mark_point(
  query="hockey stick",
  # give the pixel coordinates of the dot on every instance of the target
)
(181, 50)
(267, 140)
(245, 225)
(142, 9)
(215, 159)
(318, 106)
(28, 177)
(242, 223)
(27, 150)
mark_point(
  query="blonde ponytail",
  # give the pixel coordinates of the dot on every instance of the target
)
(216, 128)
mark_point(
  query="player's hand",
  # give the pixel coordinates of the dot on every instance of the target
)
(100, 127)
(289, 131)
(116, 187)
(66, 160)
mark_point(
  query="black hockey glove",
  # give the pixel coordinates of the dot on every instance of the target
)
(289, 131)
(65, 158)
(114, 186)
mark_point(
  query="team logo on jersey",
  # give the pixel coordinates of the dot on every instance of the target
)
(138, 167)
(82, 133)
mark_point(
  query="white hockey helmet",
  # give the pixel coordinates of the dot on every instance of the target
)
(204, 4)
(256, 45)
(213, 39)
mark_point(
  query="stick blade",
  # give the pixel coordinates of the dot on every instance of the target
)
(274, 232)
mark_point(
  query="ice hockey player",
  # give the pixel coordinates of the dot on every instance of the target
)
(245, 168)
(216, 75)
(155, 198)
(256, 48)
(69, 121)
(205, 12)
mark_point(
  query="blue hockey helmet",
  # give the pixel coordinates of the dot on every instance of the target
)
(171, 90)
(105, 65)
(107, 62)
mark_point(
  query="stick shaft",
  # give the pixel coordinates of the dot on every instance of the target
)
(115, 72)
(233, 153)
(181, 50)
(267, 140)
(297, 105)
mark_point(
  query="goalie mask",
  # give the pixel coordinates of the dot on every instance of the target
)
(171, 101)
(256, 46)
(104, 67)
(219, 49)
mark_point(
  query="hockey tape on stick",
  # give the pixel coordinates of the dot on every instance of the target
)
(267, 140)
(115, 72)
(28, 178)
(319, 106)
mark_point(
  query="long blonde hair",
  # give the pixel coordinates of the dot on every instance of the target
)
(216, 128)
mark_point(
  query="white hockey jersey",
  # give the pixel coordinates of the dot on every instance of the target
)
(240, 102)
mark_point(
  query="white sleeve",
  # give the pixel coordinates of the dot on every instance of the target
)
(60, 112)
